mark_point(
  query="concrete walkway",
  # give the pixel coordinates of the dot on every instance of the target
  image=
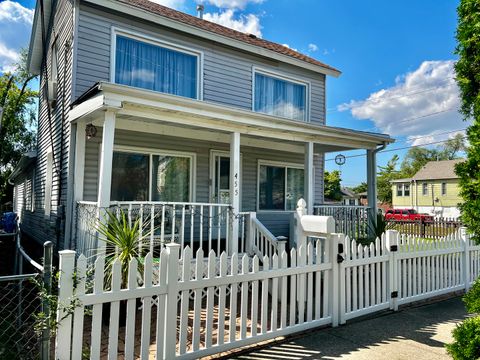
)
(413, 333)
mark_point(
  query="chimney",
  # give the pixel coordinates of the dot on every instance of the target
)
(200, 9)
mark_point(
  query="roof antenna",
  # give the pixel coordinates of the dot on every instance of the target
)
(200, 9)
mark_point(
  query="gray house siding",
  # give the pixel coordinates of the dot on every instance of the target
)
(227, 73)
(276, 222)
(51, 134)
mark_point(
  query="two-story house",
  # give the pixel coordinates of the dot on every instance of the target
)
(171, 116)
(433, 189)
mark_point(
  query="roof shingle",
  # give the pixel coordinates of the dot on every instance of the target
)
(436, 170)
(222, 30)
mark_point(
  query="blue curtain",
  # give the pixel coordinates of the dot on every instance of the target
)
(155, 68)
(279, 97)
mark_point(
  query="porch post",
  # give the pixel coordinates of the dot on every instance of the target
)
(309, 178)
(79, 171)
(372, 186)
(106, 158)
(234, 189)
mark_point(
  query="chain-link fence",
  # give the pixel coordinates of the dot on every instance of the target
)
(19, 302)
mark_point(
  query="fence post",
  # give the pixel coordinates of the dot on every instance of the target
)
(466, 271)
(170, 341)
(340, 258)
(250, 233)
(65, 294)
(47, 285)
(334, 280)
(392, 243)
(300, 238)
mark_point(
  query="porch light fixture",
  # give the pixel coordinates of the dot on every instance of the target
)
(90, 131)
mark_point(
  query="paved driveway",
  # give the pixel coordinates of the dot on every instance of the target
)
(414, 333)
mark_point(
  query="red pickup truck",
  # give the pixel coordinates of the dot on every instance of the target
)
(406, 215)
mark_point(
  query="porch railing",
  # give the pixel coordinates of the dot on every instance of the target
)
(350, 220)
(198, 225)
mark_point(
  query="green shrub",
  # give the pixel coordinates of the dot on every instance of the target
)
(472, 298)
(466, 345)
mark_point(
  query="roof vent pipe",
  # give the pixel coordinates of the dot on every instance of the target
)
(200, 9)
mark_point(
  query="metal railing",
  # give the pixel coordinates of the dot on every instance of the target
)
(349, 219)
(198, 225)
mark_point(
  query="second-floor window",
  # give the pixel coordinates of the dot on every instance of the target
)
(154, 66)
(280, 96)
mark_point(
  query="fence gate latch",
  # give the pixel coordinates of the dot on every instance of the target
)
(340, 259)
(394, 294)
(393, 248)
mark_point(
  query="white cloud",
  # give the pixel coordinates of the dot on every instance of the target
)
(12, 11)
(312, 47)
(248, 23)
(15, 27)
(174, 4)
(422, 103)
(232, 4)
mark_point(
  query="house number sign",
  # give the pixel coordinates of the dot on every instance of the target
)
(235, 185)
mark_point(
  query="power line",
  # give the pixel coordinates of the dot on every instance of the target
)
(400, 148)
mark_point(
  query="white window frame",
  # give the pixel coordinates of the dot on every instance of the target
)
(399, 190)
(157, 42)
(160, 152)
(405, 189)
(424, 189)
(284, 77)
(48, 183)
(286, 165)
(444, 189)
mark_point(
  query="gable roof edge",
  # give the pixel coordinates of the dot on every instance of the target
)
(132, 10)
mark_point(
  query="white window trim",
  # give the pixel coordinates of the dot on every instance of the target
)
(399, 187)
(158, 42)
(405, 189)
(444, 193)
(284, 77)
(424, 193)
(286, 165)
(152, 152)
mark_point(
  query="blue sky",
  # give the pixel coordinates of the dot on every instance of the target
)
(396, 59)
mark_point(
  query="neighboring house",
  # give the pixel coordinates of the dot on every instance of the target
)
(143, 105)
(349, 198)
(433, 190)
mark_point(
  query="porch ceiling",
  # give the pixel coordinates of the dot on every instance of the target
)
(144, 110)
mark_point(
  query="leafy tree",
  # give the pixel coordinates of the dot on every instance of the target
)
(360, 188)
(467, 70)
(384, 177)
(453, 146)
(17, 134)
(332, 188)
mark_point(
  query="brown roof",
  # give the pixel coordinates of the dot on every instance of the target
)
(436, 170)
(222, 30)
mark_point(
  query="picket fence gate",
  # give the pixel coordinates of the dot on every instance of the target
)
(193, 307)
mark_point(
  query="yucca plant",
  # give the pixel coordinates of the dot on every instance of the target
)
(123, 239)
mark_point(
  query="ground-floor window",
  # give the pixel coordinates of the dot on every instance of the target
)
(280, 186)
(141, 176)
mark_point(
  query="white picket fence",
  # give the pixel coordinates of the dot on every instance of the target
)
(191, 307)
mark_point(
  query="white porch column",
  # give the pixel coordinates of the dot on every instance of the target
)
(309, 178)
(372, 184)
(79, 170)
(106, 158)
(234, 189)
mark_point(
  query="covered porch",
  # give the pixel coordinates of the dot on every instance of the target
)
(210, 176)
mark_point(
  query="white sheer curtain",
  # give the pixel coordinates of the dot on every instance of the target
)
(280, 97)
(152, 67)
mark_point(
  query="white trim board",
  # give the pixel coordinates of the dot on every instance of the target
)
(156, 41)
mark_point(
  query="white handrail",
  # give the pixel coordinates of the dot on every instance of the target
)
(263, 241)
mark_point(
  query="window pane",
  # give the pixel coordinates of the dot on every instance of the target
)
(295, 187)
(272, 188)
(152, 67)
(279, 97)
(399, 190)
(171, 178)
(130, 174)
